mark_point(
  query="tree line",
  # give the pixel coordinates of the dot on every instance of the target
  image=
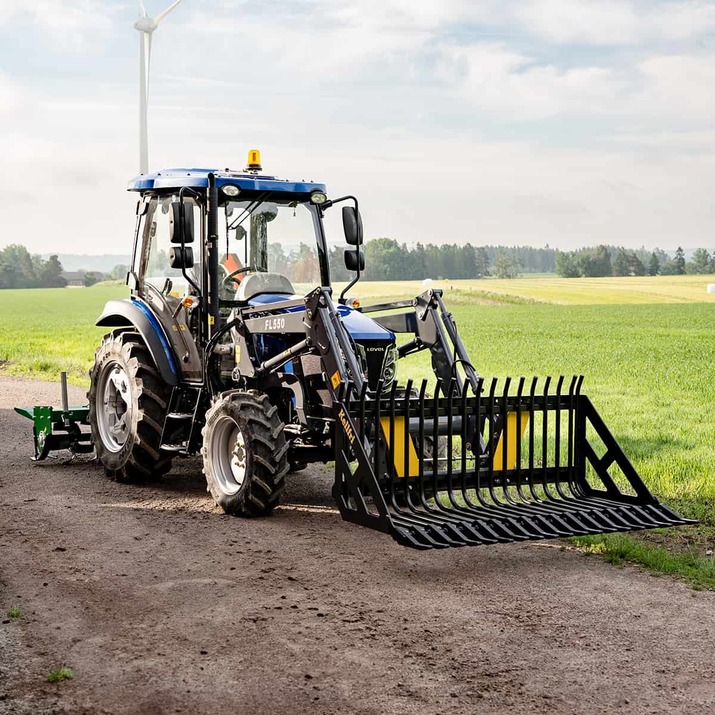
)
(21, 269)
(389, 260)
(386, 259)
(616, 261)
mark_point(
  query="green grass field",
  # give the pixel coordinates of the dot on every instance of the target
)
(46, 331)
(646, 347)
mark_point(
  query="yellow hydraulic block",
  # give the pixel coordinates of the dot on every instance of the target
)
(398, 453)
(511, 427)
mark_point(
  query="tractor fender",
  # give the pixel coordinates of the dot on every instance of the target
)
(135, 313)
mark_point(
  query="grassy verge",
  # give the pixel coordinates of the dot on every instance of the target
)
(691, 564)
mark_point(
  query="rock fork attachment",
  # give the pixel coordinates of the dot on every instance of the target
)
(507, 462)
(470, 462)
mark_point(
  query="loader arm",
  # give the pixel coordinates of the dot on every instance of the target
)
(434, 329)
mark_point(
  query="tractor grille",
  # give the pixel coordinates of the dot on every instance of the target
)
(379, 362)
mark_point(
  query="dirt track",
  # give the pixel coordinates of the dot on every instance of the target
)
(161, 604)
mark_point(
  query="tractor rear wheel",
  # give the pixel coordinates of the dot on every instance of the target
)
(245, 453)
(128, 401)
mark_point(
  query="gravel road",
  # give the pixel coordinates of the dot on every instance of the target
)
(161, 604)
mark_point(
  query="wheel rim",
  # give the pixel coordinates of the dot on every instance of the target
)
(114, 407)
(228, 455)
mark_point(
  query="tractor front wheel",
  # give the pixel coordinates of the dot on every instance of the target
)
(245, 453)
(127, 406)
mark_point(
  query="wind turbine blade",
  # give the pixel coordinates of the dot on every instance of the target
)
(162, 15)
(143, 8)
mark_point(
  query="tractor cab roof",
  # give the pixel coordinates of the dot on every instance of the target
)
(169, 179)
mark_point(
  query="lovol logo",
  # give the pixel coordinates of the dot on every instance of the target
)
(346, 426)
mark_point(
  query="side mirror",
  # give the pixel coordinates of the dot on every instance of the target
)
(352, 225)
(181, 257)
(355, 260)
(181, 231)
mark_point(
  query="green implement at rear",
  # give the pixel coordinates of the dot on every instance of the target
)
(55, 429)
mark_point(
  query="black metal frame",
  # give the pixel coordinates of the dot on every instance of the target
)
(557, 485)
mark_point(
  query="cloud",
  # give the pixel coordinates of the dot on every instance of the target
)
(679, 86)
(70, 26)
(508, 192)
(513, 85)
(10, 98)
(616, 22)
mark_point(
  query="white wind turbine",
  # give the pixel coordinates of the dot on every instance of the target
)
(146, 26)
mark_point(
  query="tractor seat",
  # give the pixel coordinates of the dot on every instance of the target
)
(255, 284)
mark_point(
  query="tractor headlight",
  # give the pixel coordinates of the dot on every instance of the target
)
(231, 190)
(389, 367)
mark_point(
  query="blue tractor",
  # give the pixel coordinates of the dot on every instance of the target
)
(233, 345)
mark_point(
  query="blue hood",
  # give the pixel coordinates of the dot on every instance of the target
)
(358, 325)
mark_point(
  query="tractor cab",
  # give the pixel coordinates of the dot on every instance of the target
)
(260, 224)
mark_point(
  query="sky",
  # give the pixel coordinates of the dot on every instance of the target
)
(543, 122)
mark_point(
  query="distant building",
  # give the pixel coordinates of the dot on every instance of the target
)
(73, 278)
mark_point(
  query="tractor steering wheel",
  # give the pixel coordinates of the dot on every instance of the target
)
(244, 269)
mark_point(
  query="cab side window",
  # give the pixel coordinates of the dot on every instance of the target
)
(156, 268)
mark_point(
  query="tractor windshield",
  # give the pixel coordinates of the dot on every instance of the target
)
(280, 236)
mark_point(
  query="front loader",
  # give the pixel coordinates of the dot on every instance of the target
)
(233, 345)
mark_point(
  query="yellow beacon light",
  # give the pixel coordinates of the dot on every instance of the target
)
(254, 160)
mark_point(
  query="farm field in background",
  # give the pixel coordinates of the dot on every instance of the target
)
(553, 290)
(45, 331)
(646, 347)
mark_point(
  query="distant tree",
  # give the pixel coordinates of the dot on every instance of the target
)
(620, 263)
(50, 274)
(506, 266)
(566, 265)
(304, 265)
(679, 261)
(601, 261)
(417, 262)
(467, 257)
(635, 265)
(10, 277)
(119, 272)
(481, 262)
(277, 258)
(384, 259)
(701, 262)
(669, 268)
(586, 265)
(653, 264)
(92, 277)
(336, 259)
(19, 259)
